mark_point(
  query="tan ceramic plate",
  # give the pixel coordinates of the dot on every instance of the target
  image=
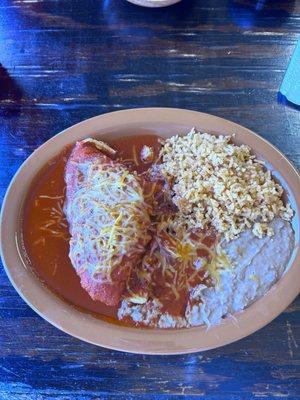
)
(165, 122)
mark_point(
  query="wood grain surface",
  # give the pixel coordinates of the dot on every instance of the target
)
(66, 60)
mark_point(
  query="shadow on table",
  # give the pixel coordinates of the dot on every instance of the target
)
(259, 13)
(10, 94)
(281, 99)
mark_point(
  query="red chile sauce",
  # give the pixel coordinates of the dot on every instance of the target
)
(46, 244)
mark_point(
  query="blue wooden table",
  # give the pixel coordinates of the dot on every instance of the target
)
(66, 60)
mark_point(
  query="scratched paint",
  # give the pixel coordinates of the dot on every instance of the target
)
(63, 61)
(292, 344)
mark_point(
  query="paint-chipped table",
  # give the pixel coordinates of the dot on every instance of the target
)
(66, 60)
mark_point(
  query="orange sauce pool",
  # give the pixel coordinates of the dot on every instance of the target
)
(45, 242)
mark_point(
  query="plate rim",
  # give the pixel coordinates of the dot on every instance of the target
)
(107, 328)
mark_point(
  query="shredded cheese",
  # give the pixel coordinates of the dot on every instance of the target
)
(108, 217)
(56, 224)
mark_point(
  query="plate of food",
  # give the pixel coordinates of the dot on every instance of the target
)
(156, 230)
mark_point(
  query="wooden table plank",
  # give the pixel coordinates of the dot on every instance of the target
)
(63, 61)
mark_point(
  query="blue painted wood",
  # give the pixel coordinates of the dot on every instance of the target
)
(66, 60)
